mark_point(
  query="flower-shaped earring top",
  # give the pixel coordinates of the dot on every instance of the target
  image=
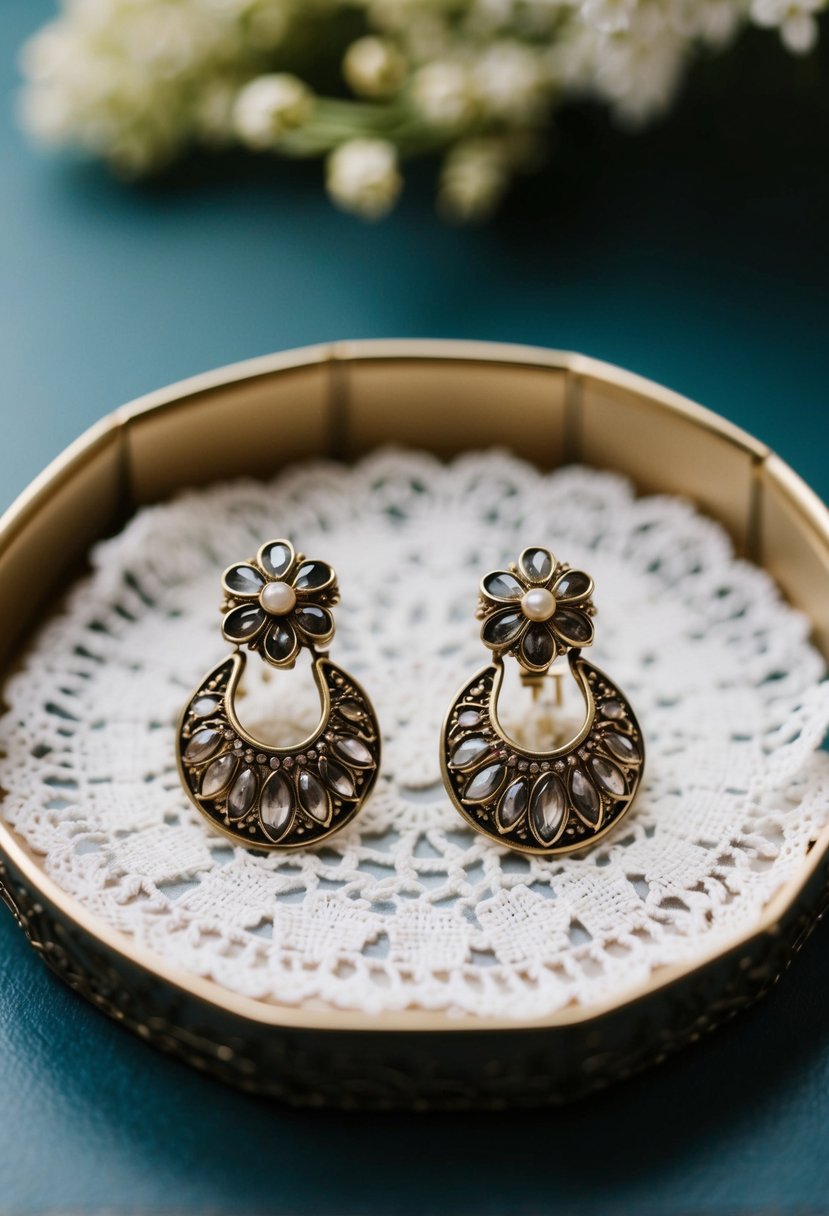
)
(536, 610)
(279, 602)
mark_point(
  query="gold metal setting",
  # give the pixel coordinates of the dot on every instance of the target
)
(564, 797)
(278, 797)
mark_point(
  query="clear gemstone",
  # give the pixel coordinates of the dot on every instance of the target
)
(613, 709)
(313, 575)
(548, 808)
(537, 646)
(313, 797)
(469, 717)
(536, 564)
(316, 621)
(242, 793)
(607, 775)
(352, 750)
(486, 783)
(573, 585)
(585, 797)
(337, 777)
(280, 642)
(469, 750)
(202, 744)
(243, 623)
(203, 707)
(217, 775)
(622, 747)
(503, 586)
(243, 580)
(513, 804)
(276, 806)
(574, 626)
(276, 557)
(351, 709)
(503, 627)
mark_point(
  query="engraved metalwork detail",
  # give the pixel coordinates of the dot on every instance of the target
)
(279, 797)
(574, 794)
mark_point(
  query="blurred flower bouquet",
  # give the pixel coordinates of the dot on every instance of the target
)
(367, 84)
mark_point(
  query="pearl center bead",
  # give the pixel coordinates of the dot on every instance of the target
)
(538, 604)
(277, 598)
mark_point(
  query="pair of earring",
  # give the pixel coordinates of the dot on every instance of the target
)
(547, 800)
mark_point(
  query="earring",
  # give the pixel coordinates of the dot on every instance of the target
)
(568, 796)
(278, 797)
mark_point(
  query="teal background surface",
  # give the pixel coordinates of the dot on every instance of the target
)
(696, 254)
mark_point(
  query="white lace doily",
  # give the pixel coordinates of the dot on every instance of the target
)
(407, 906)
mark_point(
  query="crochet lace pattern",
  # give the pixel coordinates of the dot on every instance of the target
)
(407, 906)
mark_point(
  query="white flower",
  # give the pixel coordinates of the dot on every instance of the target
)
(442, 92)
(608, 16)
(794, 18)
(362, 176)
(269, 106)
(509, 81)
(473, 180)
(374, 67)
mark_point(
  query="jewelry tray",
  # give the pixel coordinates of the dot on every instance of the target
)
(347, 403)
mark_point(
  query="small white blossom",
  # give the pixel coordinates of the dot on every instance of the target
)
(473, 180)
(794, 18)
(608, 16)
(269, 106)
(362, 176)
(509, 81)
(374, 67)
(443, 94)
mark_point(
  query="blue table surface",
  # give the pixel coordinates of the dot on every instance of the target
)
(697, 254)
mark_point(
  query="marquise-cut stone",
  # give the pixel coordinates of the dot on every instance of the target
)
(203, 707)
(276, 557)
(313, 797)
(469, 750)
(352, 750)
(243, 623)
(243, 580)
(608, 775)
(623, 747)
(585, 797)
(469, 717)
(276, 806)
(503, 586)
(574, 626)
(242, 793)
(503, 627)
(485, 784)
(537, 564)
(202, 744)
(351, 709)
(548, 808)
(537, 646)
(339, 779)
(217, 775)
(613, 710)
(313, 575)
(513, 804)
(573, 585)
